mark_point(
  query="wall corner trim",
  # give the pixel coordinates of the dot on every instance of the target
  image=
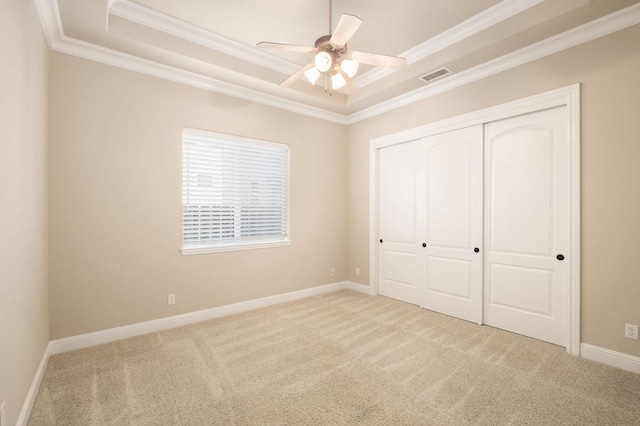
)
(609, 357)
(30, 399)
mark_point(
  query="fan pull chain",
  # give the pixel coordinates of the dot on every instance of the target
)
(327, 84)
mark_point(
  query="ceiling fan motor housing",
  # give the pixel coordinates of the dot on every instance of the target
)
(324, 44)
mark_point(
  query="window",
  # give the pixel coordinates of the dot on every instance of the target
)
(235, 193)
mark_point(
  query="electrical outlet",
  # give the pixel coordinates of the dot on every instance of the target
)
(631, 331)
(357, 271)
(3, 419)
(171, 299)
(333, 271)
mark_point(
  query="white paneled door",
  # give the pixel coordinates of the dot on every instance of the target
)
(454, 175)
(401, 179)
(480, 223)
(527, 225)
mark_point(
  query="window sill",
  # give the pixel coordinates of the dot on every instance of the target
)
(234, 247)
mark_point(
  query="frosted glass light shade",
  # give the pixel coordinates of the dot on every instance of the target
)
(350, 67)
(323, 61)
(312, 75)
(337, 81)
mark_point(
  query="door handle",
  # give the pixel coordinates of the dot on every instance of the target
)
(424, 244)
(477, 250)
(560, 257)
(380, 240)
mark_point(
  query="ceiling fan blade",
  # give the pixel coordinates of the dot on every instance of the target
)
(350, 87)
(346, 28)
(296, 75)
(379, 60)
(287, 47)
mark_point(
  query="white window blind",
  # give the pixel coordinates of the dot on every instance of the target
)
(234, 192)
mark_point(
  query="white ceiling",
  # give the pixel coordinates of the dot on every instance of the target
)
(212, 43)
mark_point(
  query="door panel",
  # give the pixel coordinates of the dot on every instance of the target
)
(523, 289)
(449, 192)
(522, 191)
(398, 193)
(527, 222)
(400, 180)
(453, 284)
(400, 267)
(450, 277)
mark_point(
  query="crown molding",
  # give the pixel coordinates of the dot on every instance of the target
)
(483, 20)
(150, 18)
(590, 31)
(51, 23)
(82, 49)
(49, 16)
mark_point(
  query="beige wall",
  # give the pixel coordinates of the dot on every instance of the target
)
(115, 189)
(24, 323)
(114, 192)
(609, 70)
(115, 200)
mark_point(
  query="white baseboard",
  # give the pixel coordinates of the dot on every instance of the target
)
(23, 418)
(594, 353)
(609, 357)
(124, 332)
(361, 288)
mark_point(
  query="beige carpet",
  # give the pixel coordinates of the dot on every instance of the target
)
(337, 359)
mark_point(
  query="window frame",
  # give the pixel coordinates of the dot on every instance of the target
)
(235, 246)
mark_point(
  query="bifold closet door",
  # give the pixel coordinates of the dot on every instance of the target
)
(453, 284)
(401, 219)
(527, 225)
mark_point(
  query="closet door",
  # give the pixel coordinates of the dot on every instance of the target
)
(453, 195)
(401, 218)
(527, 225)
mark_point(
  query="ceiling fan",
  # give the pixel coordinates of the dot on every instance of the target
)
(332, 59)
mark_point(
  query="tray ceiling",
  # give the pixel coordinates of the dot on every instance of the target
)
(212, 43)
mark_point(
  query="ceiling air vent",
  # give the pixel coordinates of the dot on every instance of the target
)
(434, 75)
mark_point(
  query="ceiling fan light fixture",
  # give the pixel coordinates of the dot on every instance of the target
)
(337, 81)
(333, 60)
(312, 75)
(350, 67)
(323, 61)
